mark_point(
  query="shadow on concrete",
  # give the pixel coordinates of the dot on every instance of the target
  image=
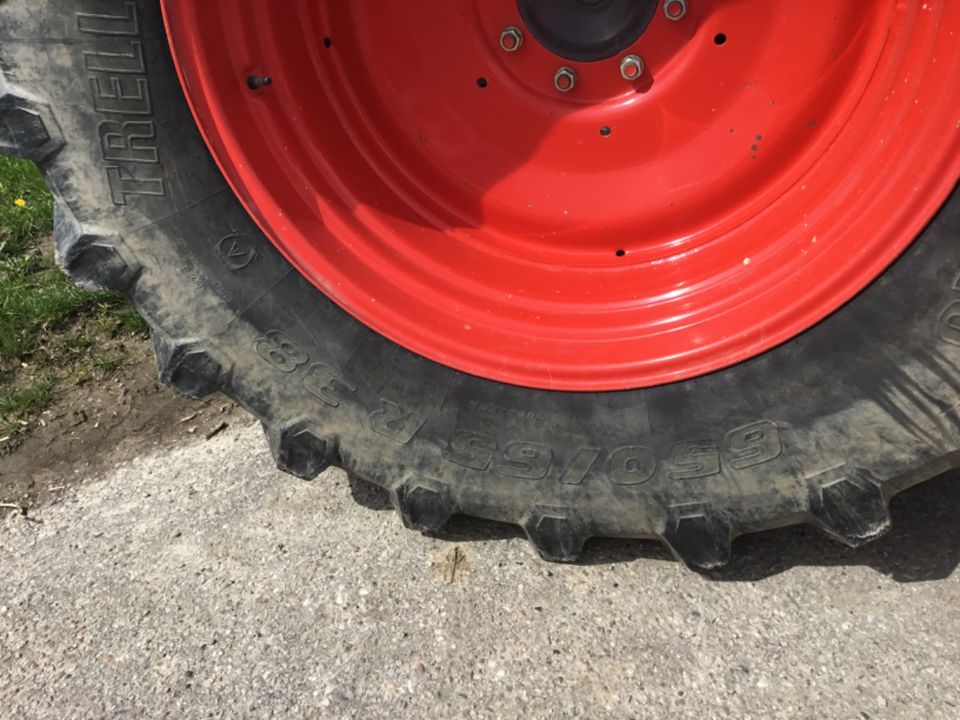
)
(368, 495)
(923, 545)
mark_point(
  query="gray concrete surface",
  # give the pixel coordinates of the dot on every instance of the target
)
(203, 583)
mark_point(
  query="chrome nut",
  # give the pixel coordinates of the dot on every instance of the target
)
(511, 39)
(565, 79)
(631, 67)
(675, 9)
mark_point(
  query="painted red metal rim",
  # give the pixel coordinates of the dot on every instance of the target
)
(773, 158)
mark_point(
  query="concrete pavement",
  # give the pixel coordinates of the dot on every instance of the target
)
(203, 583)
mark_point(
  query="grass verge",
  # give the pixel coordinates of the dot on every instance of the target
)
(51, 332)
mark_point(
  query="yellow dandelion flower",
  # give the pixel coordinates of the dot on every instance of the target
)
(20, 202)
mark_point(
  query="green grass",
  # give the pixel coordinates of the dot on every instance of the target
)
(21, 226)
(51, 332)
(17, 404)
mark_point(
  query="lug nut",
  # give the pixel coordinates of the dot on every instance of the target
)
(565, 79)
(631, 67)
(675, 9)
(511, 39)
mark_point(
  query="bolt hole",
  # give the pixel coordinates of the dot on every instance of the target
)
(255, 82)
(327, 42)
(482, 82)
(605, 131)
(620, 253)
(720, 39)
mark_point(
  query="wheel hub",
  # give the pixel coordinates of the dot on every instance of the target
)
(587, 30)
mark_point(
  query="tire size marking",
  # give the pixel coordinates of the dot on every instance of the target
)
(116, 70)
(285, 356)
(281, 352)
(332, 387)
(743, 448)
(396, 423)
(326, 384)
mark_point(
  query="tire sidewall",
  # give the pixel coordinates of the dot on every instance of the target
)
(870, 392)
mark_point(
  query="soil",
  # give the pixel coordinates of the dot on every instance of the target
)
(96, 425)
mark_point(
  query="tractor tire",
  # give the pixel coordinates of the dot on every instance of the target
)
(823, 429)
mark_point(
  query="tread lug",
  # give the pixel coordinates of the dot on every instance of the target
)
(700, 540)
(299, 451)
(848, 504)
(555, 534)
(27, 128)
(189, 367)
(424, 505)
(93, 261)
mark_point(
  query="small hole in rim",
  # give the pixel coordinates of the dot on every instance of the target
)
(720, 39)
(256, 82)
(482, 82)
(327, 42)
(605, 131)
(620, 253)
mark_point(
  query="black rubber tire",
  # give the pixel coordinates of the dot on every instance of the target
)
(824, 429)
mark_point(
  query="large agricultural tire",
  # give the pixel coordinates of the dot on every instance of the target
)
(822, 429)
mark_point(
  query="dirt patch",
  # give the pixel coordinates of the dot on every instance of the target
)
(101, 422)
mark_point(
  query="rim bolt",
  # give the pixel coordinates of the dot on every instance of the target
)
(511, 39)
(631, 67)
(675, 9)
(565, 79)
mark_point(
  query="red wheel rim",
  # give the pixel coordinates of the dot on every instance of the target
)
(772, 159)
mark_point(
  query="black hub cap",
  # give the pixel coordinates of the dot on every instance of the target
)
(587, 30)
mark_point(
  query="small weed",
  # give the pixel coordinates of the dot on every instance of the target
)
(19, 403)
